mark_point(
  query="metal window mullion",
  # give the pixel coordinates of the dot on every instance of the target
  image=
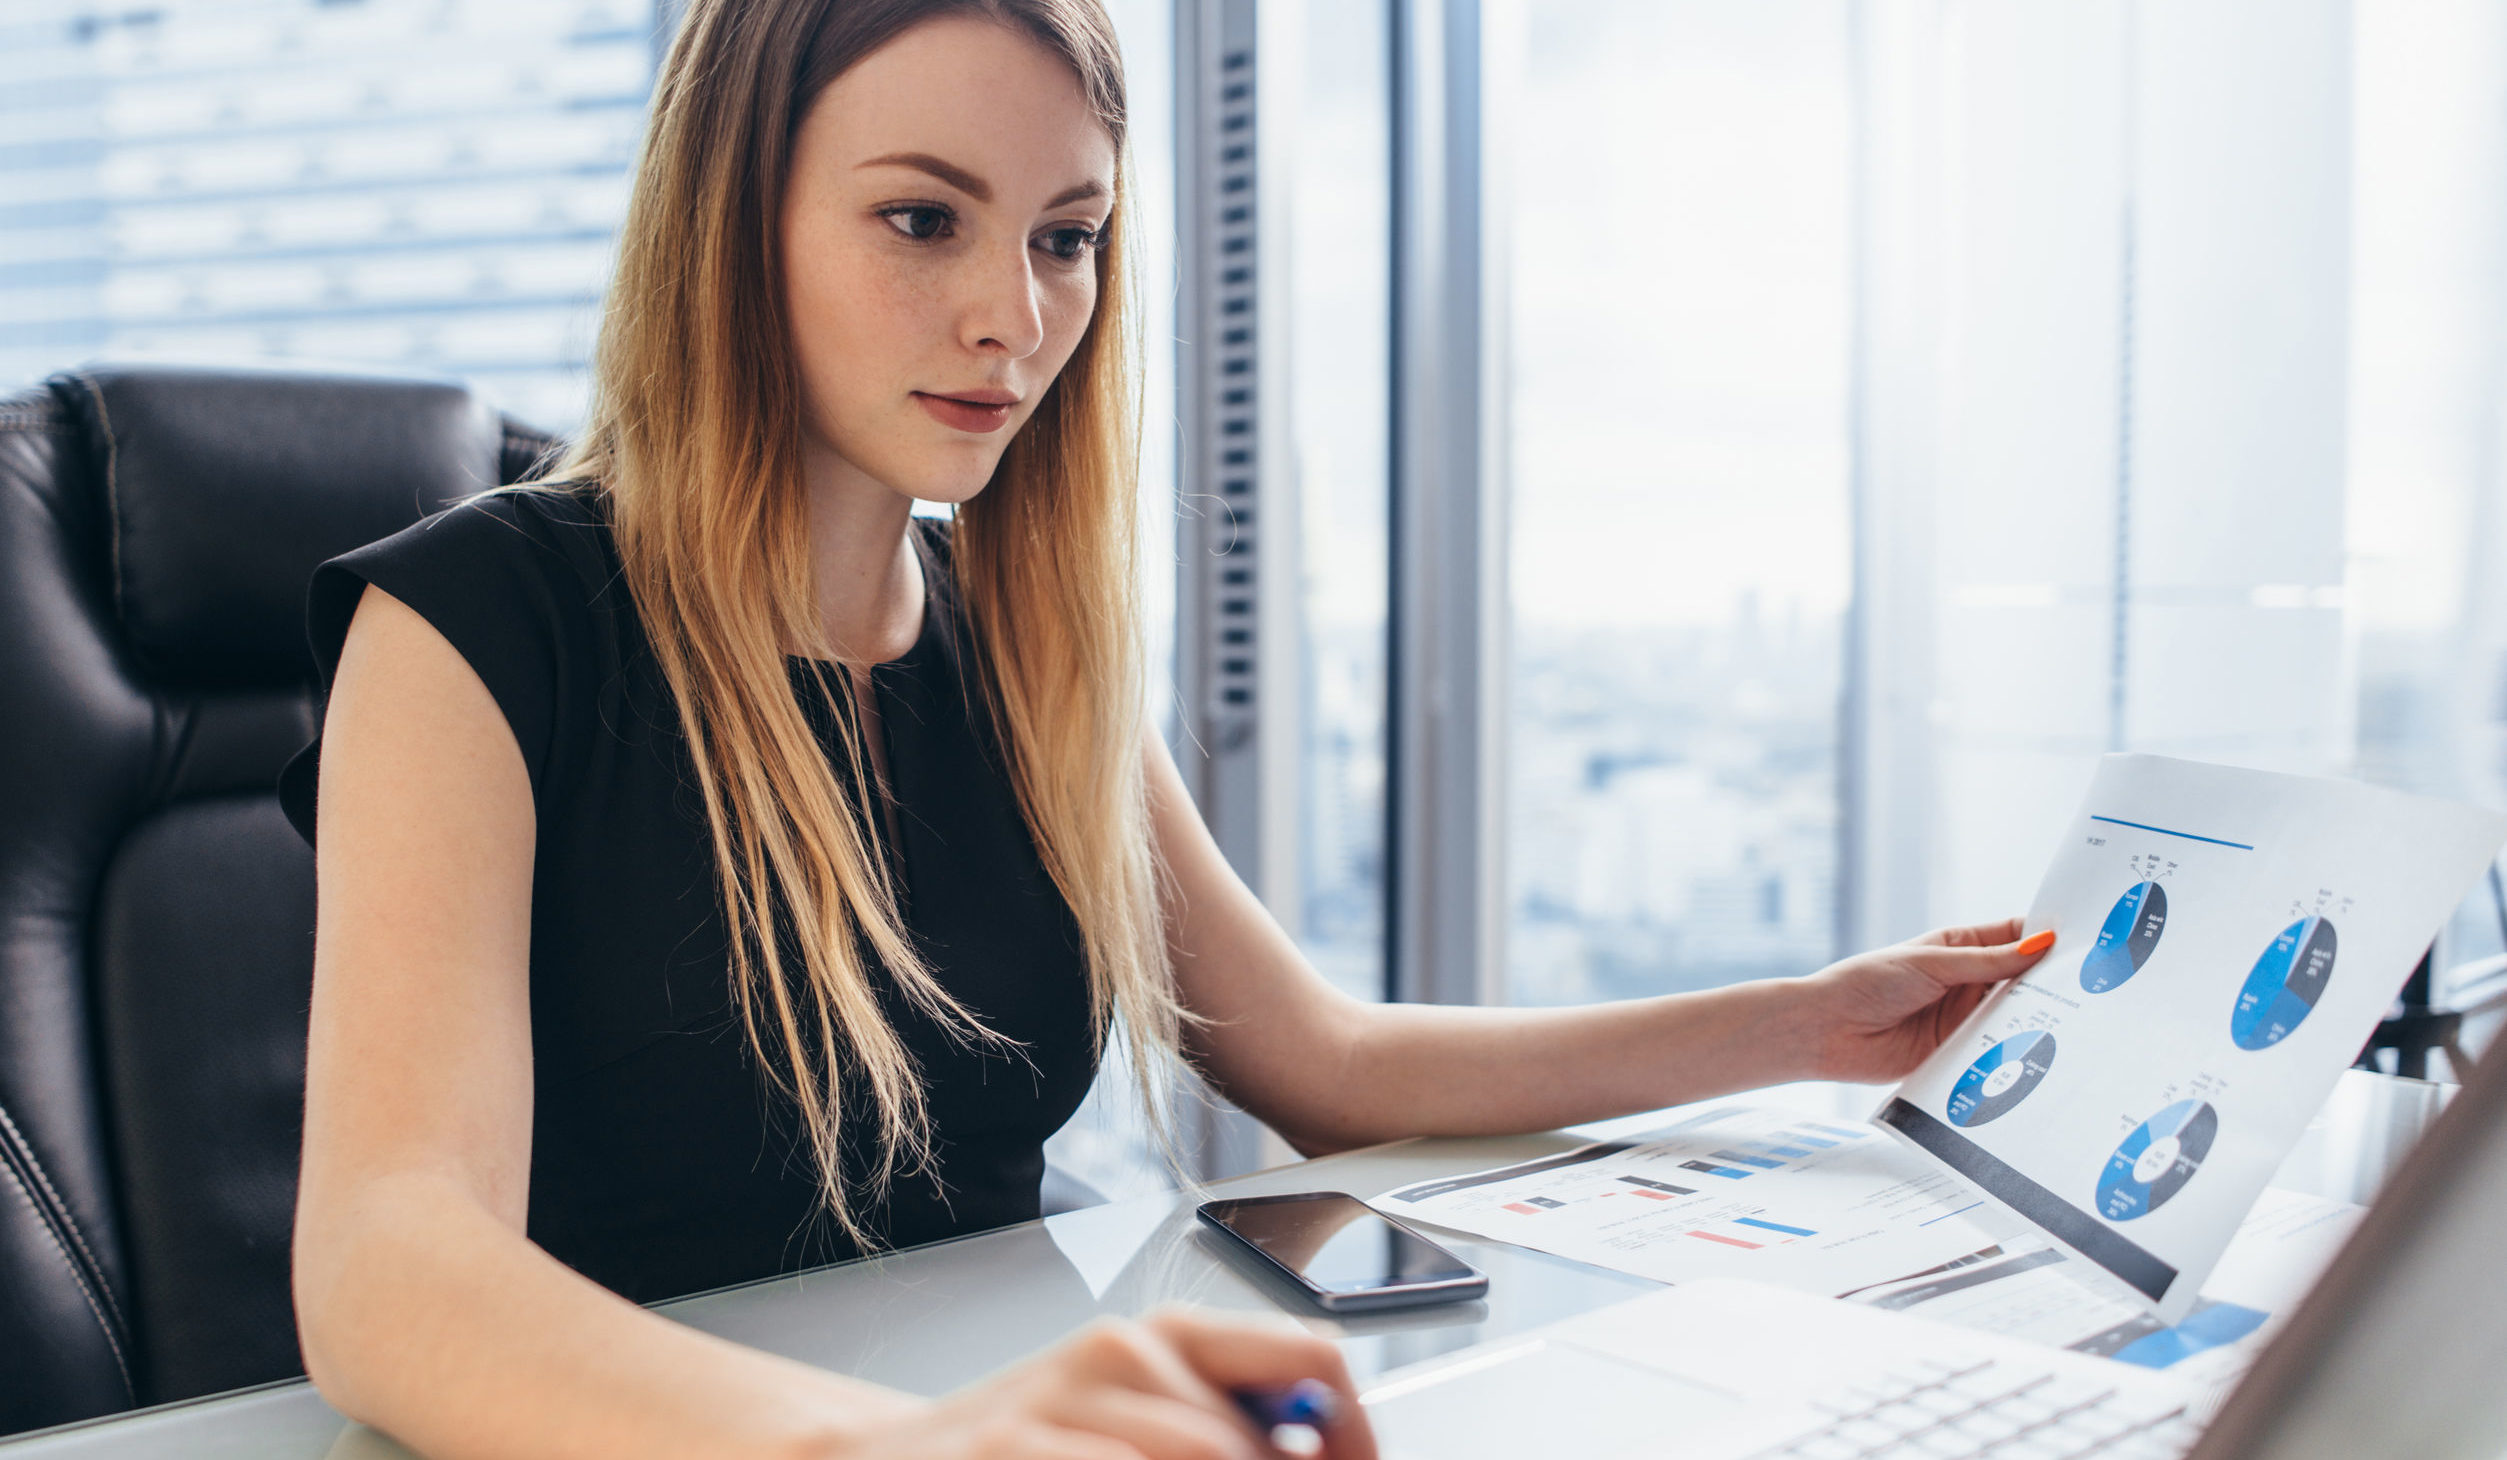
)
(1445, 927)
(1237, 588)
(1887, 751)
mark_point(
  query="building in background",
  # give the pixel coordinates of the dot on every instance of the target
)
(421, 188)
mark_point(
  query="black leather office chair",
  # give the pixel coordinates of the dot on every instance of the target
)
(157, 528)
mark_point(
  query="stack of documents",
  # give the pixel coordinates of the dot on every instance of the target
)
(1830, 1208)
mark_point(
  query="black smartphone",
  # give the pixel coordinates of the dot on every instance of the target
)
(1346, 1255)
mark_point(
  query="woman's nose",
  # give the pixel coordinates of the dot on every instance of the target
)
(1001, 311)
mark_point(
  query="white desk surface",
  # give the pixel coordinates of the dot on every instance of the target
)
(932, 1318)
(929, 1319)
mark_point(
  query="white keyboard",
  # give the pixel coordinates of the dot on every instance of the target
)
(1990, 1411)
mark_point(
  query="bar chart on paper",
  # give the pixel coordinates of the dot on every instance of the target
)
(1737, 1191)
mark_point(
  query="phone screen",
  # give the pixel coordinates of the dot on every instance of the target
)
(1336, 1243)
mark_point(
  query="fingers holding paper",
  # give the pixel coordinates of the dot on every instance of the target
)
(1876, 1015)
(1987, 936)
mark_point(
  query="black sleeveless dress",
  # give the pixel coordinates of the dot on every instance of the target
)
(662, 1160)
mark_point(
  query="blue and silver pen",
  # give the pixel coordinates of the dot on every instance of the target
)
(1308, 1402)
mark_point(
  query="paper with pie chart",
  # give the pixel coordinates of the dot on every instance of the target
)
(2225, 942)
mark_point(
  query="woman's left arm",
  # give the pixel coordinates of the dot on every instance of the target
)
(1329, 1072)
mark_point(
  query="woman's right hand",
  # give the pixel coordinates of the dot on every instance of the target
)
(1158, 1389)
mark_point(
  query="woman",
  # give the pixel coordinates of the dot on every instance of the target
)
(722, 871)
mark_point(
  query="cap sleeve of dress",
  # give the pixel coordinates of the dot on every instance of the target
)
(509, 581)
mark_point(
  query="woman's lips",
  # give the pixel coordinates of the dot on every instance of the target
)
(962, 414)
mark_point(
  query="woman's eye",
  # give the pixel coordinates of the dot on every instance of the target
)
(1070, 245)
(918, 221)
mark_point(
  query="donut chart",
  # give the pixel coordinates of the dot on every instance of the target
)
(2286, 982)
(2127, 938)
(2002, 1078)
(2156, 1160)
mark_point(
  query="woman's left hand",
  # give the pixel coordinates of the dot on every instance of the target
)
(1875, 1016)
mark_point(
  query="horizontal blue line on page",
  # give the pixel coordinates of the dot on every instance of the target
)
(2163, 831)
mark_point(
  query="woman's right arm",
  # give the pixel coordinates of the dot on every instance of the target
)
(422, 1307)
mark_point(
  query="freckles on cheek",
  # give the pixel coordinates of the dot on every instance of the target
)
(898, 311)
(1066, 316)
(864, 339)
(833, 292)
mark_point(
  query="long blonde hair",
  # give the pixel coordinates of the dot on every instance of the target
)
(694, 437)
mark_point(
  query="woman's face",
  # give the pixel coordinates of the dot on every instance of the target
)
(940, 233)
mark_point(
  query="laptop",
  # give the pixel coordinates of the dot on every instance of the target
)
(2396, 1351)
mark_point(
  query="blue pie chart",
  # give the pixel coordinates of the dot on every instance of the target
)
(2127, 938)
(2286, 983)
(2156, 1160)
(2001, 1079)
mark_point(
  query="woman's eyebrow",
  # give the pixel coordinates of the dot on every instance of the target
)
(971, 185)
(948, 172)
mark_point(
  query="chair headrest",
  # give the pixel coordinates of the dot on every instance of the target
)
(224, 490)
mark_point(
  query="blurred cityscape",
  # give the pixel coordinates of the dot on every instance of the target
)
(1343, 769)
(1674, 806)
(1673, 818)
(1678, 392)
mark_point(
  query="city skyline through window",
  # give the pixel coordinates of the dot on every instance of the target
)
(1675, 205)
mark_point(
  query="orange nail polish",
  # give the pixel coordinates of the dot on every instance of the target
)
(2037, 942)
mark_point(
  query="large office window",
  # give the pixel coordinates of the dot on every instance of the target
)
(2427, 478)
(2153, 355)
(1674, 206)
(2125, 307)
(1901, 405)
